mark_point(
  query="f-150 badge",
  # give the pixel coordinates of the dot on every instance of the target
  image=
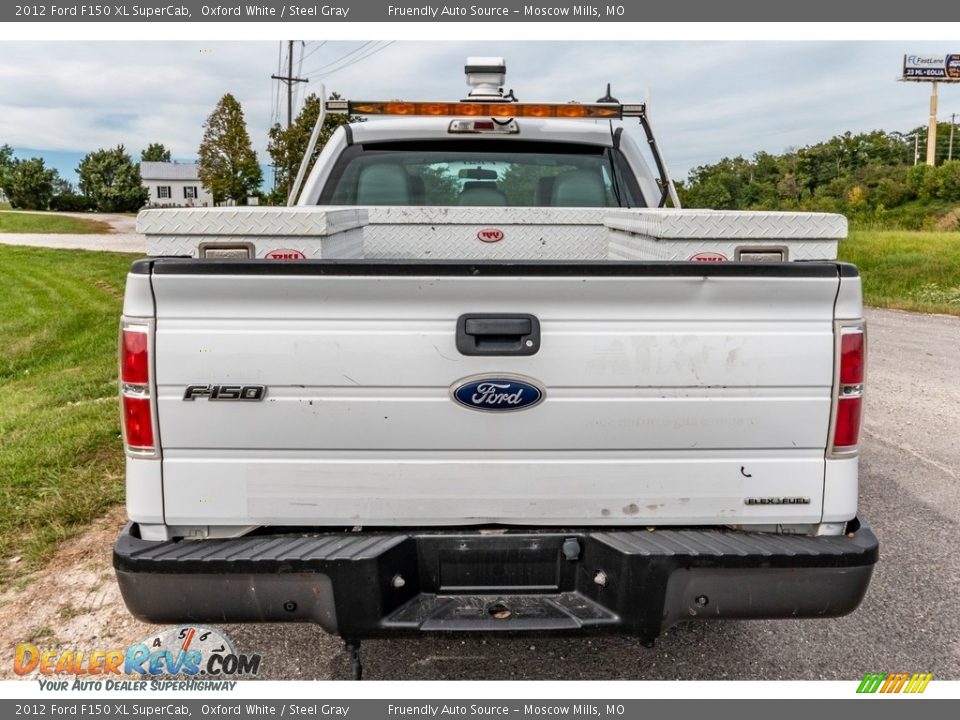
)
(497, 393)
(225, 392)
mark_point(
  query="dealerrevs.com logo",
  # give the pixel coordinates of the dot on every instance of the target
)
(190, 651)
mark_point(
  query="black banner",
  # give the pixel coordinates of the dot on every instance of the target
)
(480, 11)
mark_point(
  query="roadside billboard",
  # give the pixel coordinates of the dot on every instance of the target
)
(932, 67)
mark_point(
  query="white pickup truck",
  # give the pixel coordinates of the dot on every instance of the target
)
(479, 379)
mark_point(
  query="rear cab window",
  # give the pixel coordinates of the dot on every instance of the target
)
(495, 173)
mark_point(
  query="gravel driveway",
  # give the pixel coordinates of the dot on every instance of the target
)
(124, 237)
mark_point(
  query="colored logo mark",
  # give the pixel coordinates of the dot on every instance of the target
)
(894, 682)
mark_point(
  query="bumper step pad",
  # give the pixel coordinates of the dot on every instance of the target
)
(498, 613)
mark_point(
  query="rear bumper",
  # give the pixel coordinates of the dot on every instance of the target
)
(373, 584)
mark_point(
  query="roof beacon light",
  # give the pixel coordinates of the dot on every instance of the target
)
(572, 111)
(485, 77)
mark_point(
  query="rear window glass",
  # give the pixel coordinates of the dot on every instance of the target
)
(481, 173)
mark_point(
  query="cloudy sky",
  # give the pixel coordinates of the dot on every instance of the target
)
(60, 100)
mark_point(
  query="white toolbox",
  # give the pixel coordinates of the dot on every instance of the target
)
(722, 235)
(280, 233)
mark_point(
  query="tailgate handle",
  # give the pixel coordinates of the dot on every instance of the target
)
(492, 334)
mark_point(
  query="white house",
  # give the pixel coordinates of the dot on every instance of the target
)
(174, 185)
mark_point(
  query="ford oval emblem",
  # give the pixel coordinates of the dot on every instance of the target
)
(497, 393)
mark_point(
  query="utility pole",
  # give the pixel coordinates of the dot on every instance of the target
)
(953, 122)
(289, 80)
(932, 132)
(916, 146)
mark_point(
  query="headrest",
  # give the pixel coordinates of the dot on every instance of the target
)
(482, 197)
(418, 190)
(543, 193)
(579, 188)
(383, 184)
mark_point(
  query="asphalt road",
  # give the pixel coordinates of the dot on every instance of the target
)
(909, 621)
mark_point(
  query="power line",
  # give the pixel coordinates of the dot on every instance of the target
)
(356, 60)
(341, 58)
(319, 45)
(360, 59)
(356, 50)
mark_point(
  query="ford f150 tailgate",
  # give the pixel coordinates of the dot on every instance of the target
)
(325, 393)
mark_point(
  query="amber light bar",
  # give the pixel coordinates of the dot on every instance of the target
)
(480, 109)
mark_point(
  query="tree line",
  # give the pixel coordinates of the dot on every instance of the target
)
(875, 178)
(872, 177)
(110, 180)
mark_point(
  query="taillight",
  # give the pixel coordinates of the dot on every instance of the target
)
(851, 356)
(138, 422)
(134, 356)
(136, 400)
(848, 392)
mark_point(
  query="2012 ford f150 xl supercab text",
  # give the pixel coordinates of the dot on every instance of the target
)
(479, 378)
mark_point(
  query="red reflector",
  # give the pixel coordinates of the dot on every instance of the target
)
(483, 125)
(851, 358)
(134, 359)
(138, 422)
(847, 431)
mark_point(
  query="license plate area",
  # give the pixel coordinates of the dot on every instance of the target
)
(507, 564)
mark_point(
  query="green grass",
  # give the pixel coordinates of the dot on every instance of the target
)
(932, 215)
(61, 459)
(24, 222)
(907, 270)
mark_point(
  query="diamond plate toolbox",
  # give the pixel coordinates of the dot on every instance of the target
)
(486, 233)
(718, 235)
(315, 232)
